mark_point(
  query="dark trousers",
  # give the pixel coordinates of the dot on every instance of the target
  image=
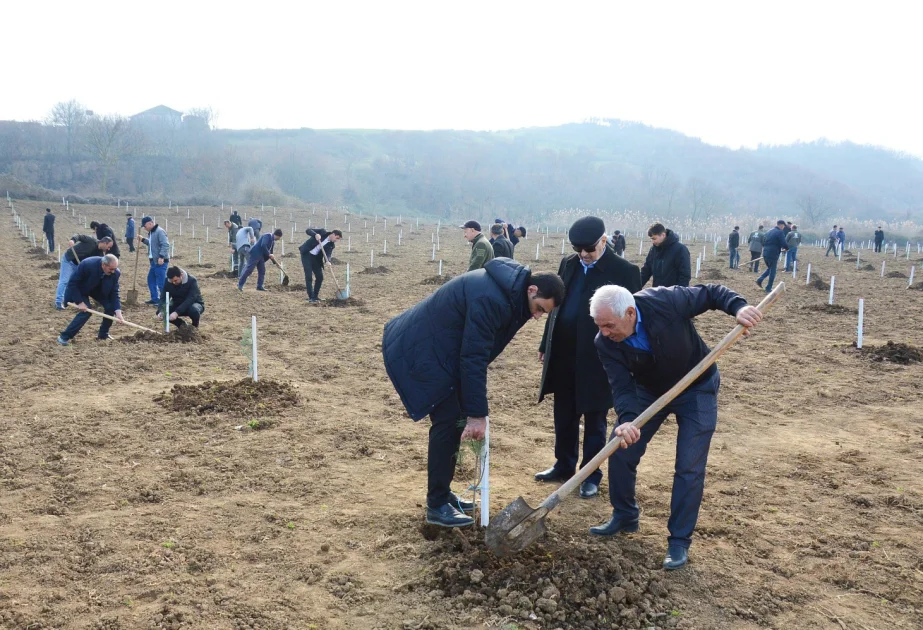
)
(771, 264)
(831, 247)
(253, 263)
(81, 318)
(131, 244)
(50, 237)
(878, 246)
(696, 412)
(193, 312)
(567, 434)
(444, 440)
(313, 265)
(755, 266)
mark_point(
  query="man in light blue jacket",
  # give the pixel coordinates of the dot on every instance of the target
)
(158, 252)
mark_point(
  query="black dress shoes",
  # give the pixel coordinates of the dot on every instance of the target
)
(615, 525)
(447, 516)
(460, 504)
(588, 489)
(552, 474)
(676, 557)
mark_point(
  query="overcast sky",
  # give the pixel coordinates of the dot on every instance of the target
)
(733, 73)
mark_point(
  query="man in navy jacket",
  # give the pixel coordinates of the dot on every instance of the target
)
(259, 254)
(48, 228)
(130, 233)
(773, 246)
(647, 343)
(437, 353)
(96, 277)
(667, 261)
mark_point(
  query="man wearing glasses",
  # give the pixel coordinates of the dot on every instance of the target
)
(571, 369)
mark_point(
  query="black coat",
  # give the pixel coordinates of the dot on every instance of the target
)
(48, 223)
(183, 295)
(618, 244)
(104, 230)
(444, 344)
(667, 317)
(588, 375)
(306, 247)
(235, 218)
(668, 263)
(734, 240)
(879, 236)
(503, 247)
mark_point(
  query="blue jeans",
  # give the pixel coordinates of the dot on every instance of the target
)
(67, 270)
(696, 411)
(790, 258)
(771, 264)
(260, 265)
(734, 258)
(156, 277)
(81, 318)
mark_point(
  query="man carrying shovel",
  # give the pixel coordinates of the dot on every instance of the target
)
(647, 343)
(313, 258)
(437, 353)
(98, 278)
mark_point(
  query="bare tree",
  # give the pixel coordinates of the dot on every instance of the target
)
(207, 114)
(661, 186)
(704, 198)
(814, 209)
(72, 117)
(109, 139)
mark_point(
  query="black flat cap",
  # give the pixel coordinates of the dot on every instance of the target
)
(586, 231)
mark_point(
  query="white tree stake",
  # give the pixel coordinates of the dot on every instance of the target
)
(698, 265)
(808, 280)
(859, 328)
(253, 338)
(832, 281)
(910, 283)
(440, 267)
(484, 487)
(166, 313)
(371, 258)
(347, 279)
(536, 250)
(882, 268)
(434, 253)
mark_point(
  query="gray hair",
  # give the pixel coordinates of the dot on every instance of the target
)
(110, 260)
(612, 297)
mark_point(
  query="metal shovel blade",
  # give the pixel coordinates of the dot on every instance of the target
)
(132, 297)
(516, 527)
(284, 279)
(342, 295)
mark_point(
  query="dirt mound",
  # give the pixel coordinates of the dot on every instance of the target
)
(376, 270)
(867, 267)
(583, 584)
(240, 398)
(290, 288)
(438, 279)
(348, 302)
(179, 334)
(202, 266)
(223, 274)
(50, 265)
(895, 274)
(817, 283)
(38, 253)
(713, 274)
(335, 261)
(832, 309)
(850, 259)
(901, 353)
(918, 286)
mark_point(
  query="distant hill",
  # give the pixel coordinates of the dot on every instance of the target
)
(530, 172)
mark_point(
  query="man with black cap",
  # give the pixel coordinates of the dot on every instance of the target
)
(48, 228)
(879, 239)
(571, 369)
(773, 246)
(618, 243)
(667, 261)
(130, 233)
(158, 252)
(503, 248)
(481, 250)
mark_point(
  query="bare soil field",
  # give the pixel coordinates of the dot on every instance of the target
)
(147, 485)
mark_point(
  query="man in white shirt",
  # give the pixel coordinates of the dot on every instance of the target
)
(314, 253)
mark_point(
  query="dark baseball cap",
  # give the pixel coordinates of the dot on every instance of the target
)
(471, 224)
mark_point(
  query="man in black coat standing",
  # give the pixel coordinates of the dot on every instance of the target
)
(618, 243)
(571, 368)
(667, 261)
(879, 239)
(503, 247)
(437, 353)
(48, 228)
(315, 252)
(733, 244)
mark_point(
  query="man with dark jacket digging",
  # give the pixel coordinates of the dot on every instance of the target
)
(503, 247)
(571, 368)
(667, 261)
(437, 353)
(259, 254)
(185, 297)
(83, 246)
(98, 278)
(315, 252)
(103, 230)
(647, 343)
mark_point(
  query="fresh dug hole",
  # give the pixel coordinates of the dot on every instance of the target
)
(242, 398)
(555, 584)
(832, 309)
(178, 334)
(348, 302)
(713, 274)
(895, 274)
(900, 353)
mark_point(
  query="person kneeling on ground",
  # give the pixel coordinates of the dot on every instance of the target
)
(437, 353)
(185, 297)
(96, 277)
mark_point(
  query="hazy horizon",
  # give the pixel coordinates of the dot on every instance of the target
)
(729, 74)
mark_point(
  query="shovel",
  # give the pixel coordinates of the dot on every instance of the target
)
(341, 295)
(285, 280)
(127, 323)
(518, 525)
(132, 298)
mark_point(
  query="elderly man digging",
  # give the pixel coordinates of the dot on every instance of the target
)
(437, 354)
(647, 343)
(98, 278)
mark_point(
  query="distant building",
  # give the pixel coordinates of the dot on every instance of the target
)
(160, 115)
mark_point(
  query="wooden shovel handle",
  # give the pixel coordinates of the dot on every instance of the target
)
(659, 404)
(90, 310)
(332, 273)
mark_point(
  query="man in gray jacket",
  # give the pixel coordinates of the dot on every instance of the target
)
(793, 240)
(158, 252)
(755, 243)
